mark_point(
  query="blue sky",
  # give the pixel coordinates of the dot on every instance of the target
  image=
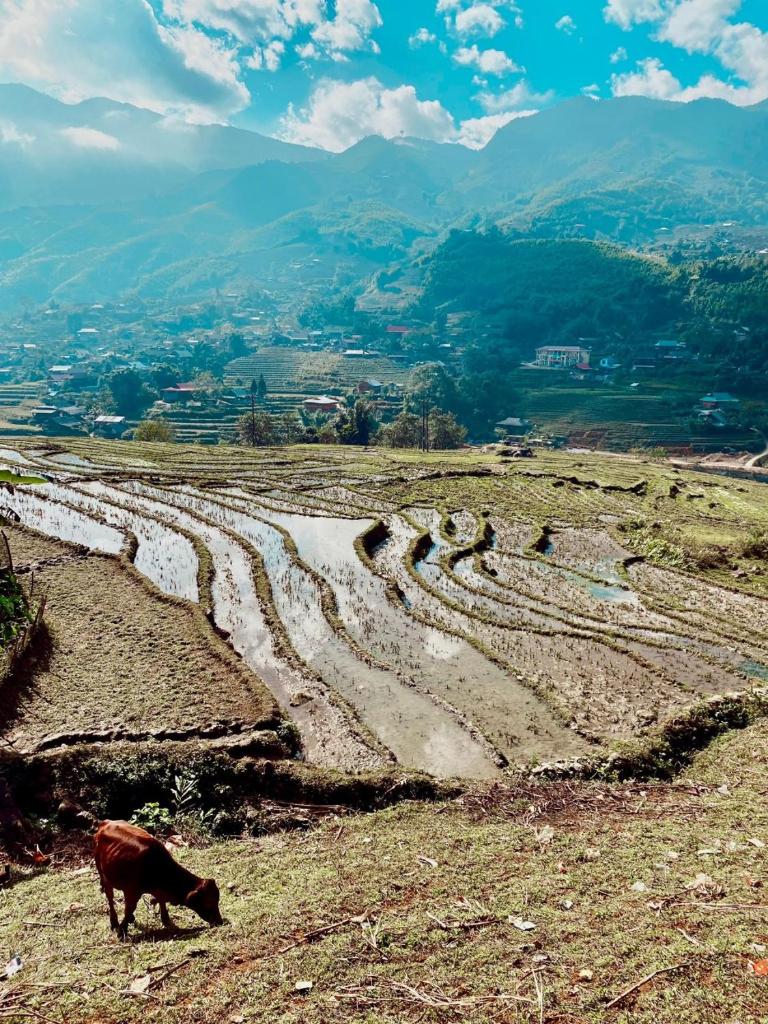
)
(327, 72)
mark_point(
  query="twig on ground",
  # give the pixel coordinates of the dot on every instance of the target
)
(318, 933)
(450, 926)
(643, 981)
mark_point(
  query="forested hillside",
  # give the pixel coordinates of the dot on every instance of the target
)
(549, 291)
(147, 210)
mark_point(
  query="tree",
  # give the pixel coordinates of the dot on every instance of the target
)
(403, 432)
(207, 381)
(129, 394)
(431, 382)
(74, 322)
(355, 425)
(326, 434)
(290, 428)
(164, 376)
(154, 430)
(261, 389)
(237, 346)
(256, 429)
(445, 431)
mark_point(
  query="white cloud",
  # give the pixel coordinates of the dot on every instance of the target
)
(478, 17)
(627, 13)
(90, 138)
(566, 24)
(482, 19)
(519, 97)
(421, 38)
(249, 21)
(308, 51)
(478, 131)
(697, 26)
(489, 62)
(82, 48)
(339, 114)
(652, 79)
(350, 29)
(619, 55)
(268, 57)
(11, 136)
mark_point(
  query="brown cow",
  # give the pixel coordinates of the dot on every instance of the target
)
(130, 859)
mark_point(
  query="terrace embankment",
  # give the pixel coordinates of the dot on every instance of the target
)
(120, 657)
(503, 612)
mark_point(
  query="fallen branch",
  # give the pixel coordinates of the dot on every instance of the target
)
(451, 926)
(318, 933)
(643, 981)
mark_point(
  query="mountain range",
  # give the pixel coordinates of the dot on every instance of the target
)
(100, 200)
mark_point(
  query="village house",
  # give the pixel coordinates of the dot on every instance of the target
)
(714, 417)
(669, 349)
(179, 393)
(367, 386)
(720, 400)
(59, 374)
(322, 404)
(109, 426)
(514, 427)
(562, 356)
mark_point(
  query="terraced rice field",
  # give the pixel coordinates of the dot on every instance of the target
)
(450, 613)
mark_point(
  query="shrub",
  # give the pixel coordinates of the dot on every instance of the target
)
(153, 817)
(757, 546)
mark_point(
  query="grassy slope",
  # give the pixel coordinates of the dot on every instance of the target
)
(493, 861)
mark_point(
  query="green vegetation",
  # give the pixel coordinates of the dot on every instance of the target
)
(544, 292)
(155, 429)
(15, 613)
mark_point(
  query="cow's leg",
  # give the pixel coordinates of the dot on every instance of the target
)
(131, 902)
(164, 915)
(109, 892)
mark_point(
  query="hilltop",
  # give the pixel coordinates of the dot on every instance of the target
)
(140, 205)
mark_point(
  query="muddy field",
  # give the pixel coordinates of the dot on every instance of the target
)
(451, 614)
(119, 658)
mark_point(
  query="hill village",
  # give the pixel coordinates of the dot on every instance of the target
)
(104, 369)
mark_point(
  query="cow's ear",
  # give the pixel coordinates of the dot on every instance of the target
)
(194, 894)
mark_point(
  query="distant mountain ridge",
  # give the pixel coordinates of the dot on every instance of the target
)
(100, 199)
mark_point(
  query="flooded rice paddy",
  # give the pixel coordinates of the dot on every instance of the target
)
(447, 643)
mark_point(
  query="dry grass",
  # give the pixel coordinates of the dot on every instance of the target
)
(411, 914)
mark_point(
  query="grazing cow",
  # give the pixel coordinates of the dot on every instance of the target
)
(130, 859)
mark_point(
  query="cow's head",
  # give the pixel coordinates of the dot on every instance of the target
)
(204, 900)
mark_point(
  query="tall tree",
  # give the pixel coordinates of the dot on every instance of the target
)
(256, 429)
(445, 431)
(129, 394)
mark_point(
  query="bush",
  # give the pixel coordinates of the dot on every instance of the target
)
(757, 546)
(154, 430)
(153, 817)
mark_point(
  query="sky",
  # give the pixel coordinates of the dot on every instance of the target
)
(329, 72)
